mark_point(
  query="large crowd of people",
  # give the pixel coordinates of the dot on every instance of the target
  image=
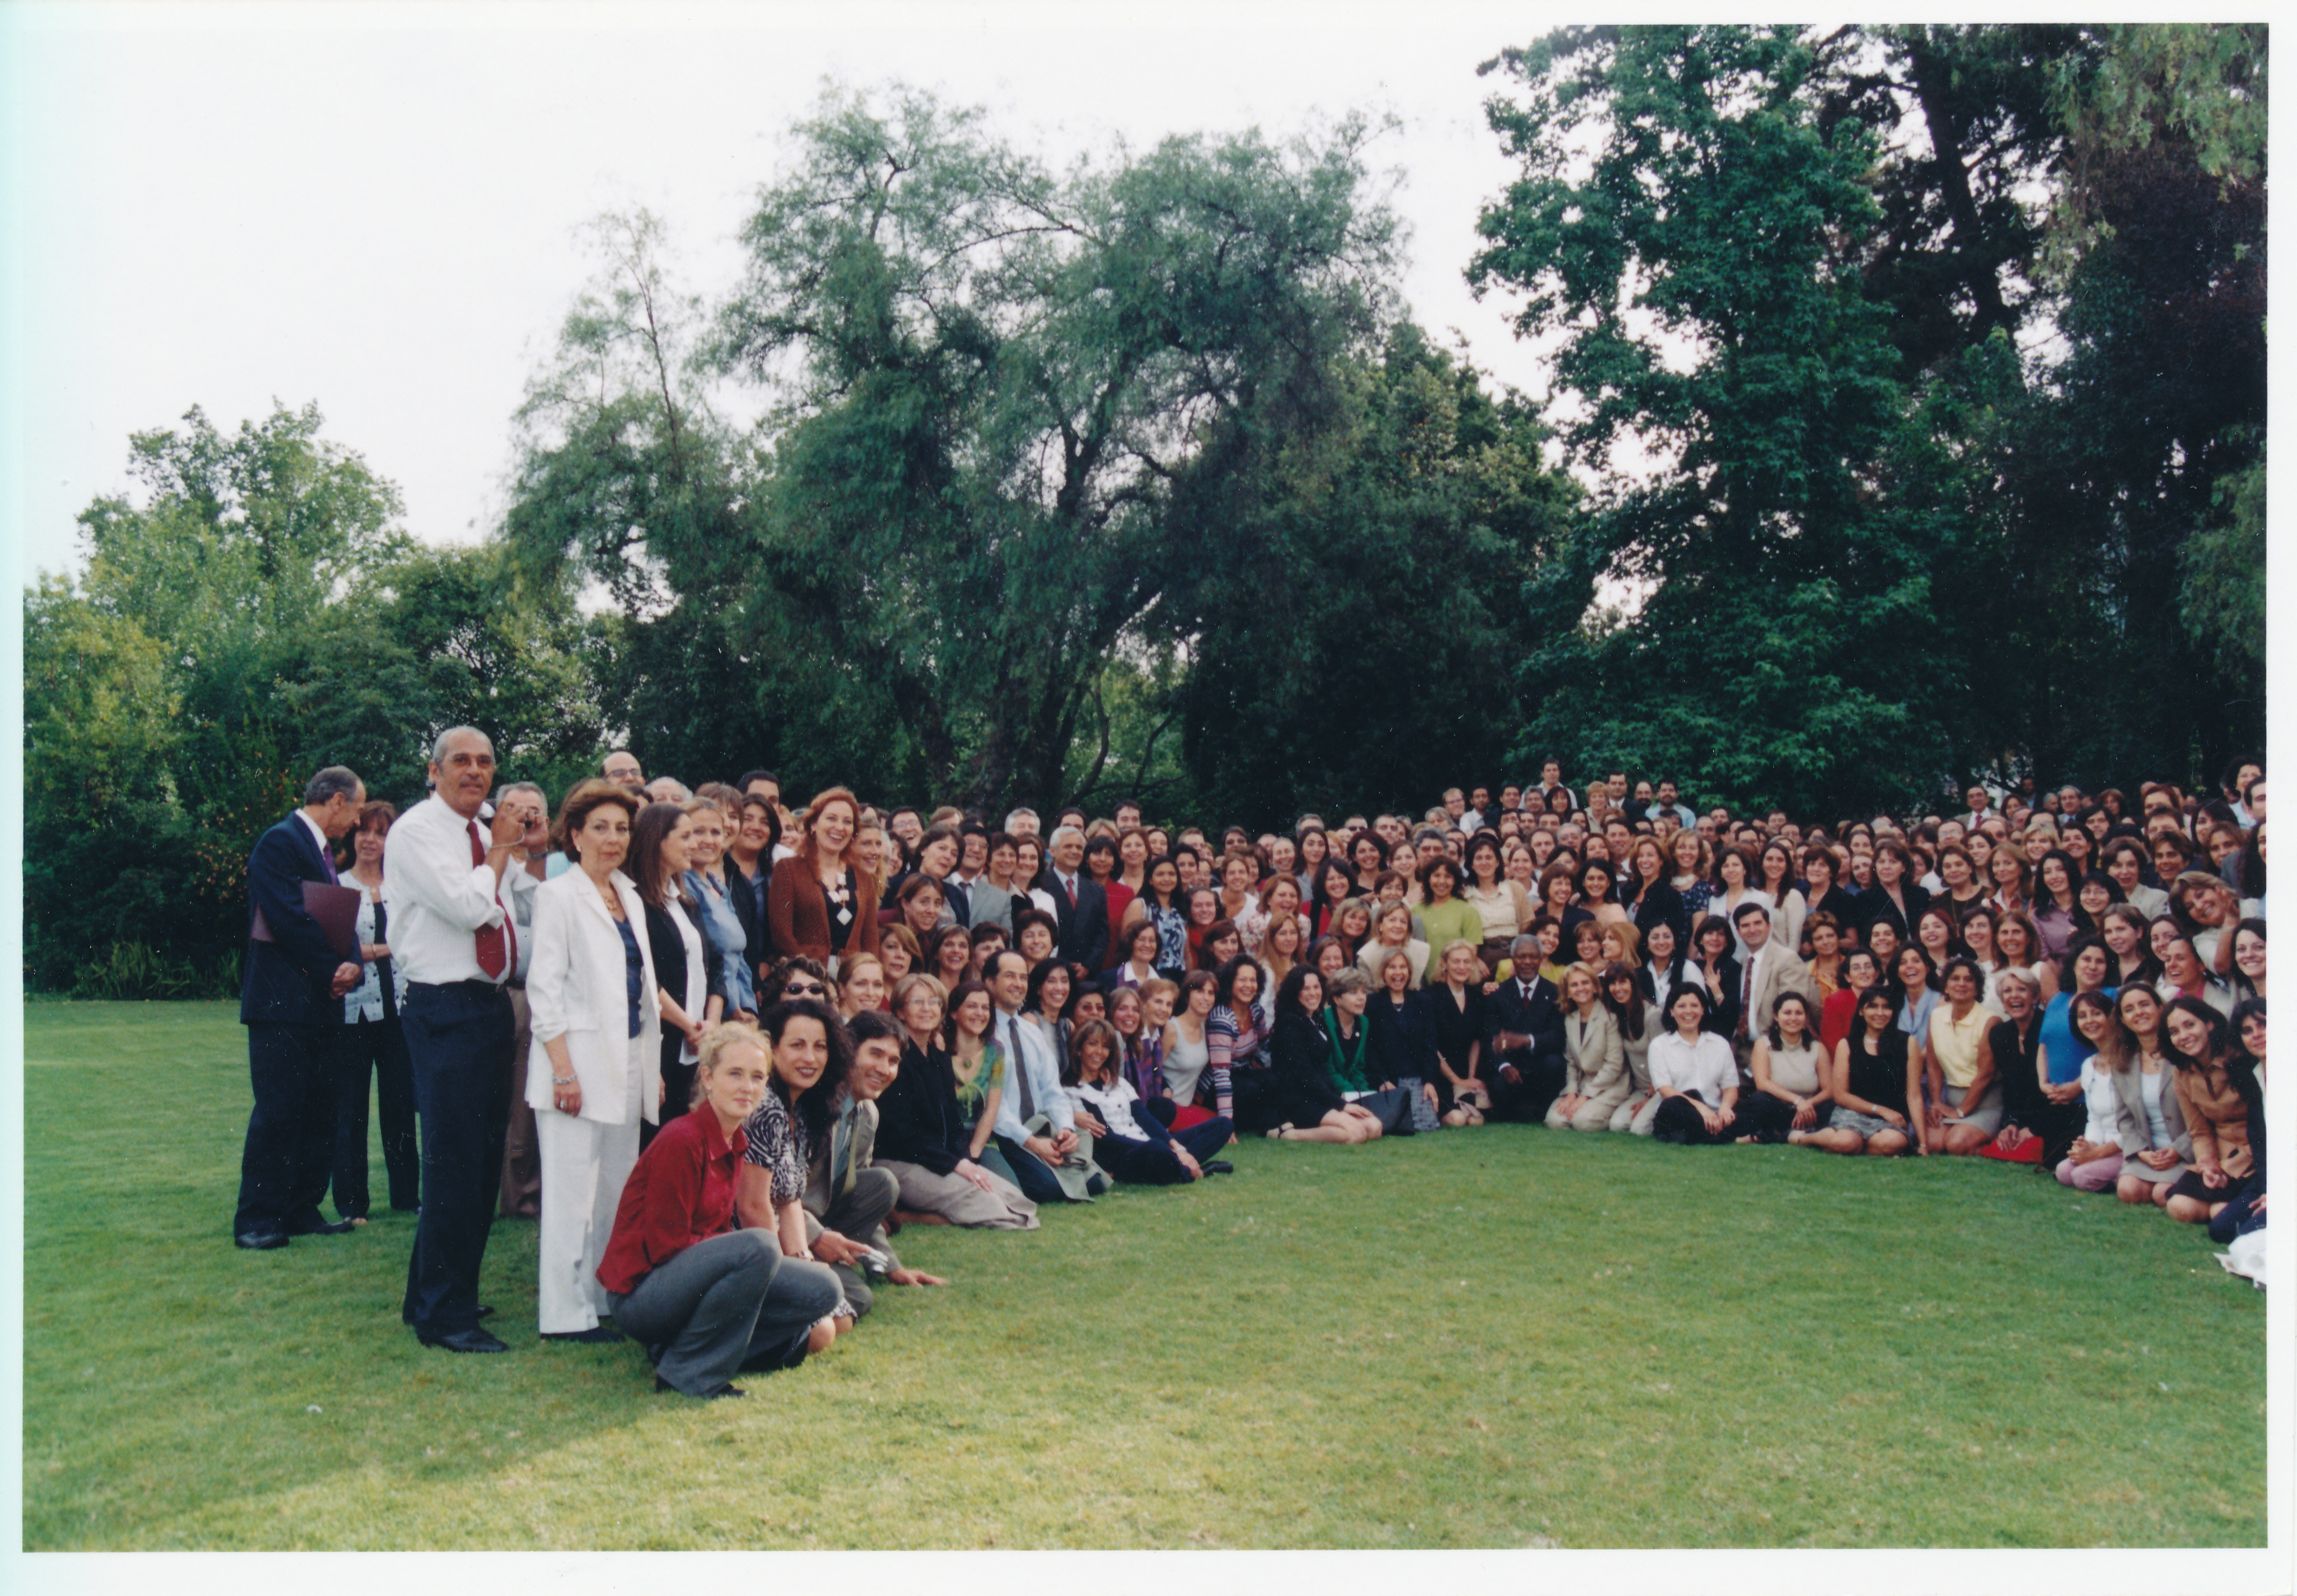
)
(724, 1049)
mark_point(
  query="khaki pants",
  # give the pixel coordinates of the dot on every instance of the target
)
(521, 1194)
(1595, 1114)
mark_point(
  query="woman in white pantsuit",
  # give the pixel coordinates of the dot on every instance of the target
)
(595, 1069)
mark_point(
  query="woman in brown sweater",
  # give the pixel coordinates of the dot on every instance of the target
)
(822, 901)
(2216, 1115)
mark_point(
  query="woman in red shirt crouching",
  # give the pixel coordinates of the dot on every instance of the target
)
(678, 1274)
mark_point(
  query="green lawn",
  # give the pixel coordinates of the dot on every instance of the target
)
(1496, 1338)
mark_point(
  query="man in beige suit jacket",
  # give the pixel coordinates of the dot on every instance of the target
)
(1769, 968)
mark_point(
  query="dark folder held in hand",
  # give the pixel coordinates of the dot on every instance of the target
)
(335, 907)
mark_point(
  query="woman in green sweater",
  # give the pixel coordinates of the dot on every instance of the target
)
(1446, 916)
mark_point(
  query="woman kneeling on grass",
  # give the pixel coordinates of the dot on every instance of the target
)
(1696, 1078)
(812, 1059)
(1595, 1078)
(2201, 1047)
(1965, 1092)
(1129, 1141)
(677, 1276)
(1793, 1097)
(1878, 1082)
(1303, 1101)
(2093, 1163)
(2149, 1121)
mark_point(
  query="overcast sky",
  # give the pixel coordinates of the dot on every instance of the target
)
(376, 209)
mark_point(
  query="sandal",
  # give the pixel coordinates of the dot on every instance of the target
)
(1276, 1132)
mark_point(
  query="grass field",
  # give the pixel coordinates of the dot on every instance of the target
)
(1497, 1337)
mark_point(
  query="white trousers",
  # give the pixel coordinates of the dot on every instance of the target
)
(584, 1165)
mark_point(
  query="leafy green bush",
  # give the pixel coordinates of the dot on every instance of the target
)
(134, 970)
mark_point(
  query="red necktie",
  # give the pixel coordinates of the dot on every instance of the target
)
(494, 941)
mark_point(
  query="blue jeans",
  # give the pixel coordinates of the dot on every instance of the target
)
(1031, 1174)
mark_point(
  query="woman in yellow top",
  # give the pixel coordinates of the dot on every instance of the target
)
(1504, 907)
(1445, 917)
(1964, 1107)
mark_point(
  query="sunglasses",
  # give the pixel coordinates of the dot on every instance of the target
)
(812, 989)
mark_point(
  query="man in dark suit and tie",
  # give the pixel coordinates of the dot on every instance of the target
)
(1079, 906)
(290, 1000)
(1526, 1038)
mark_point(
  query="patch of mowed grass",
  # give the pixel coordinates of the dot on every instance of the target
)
(1493, 1337)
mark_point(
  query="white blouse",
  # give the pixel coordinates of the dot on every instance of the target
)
(1705, 1068)
(363, 1002)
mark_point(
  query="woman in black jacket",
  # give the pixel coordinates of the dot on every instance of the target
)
(1649, 896)
(1302, 1099)
(749, 866)
(1894, 897)
(686, 966)
(1718, 975)
(926, 1141)
(1402, 1049)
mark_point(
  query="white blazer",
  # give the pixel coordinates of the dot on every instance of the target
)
(576, 988)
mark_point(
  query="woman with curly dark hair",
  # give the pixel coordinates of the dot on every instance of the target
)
(813, 1055)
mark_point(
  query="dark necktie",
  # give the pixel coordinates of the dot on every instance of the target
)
(841, 1152)
(1020, 1074)
(494, 942)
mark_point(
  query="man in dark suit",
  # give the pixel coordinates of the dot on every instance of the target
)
(291, 999)
(1079, 906)
(1526, 1038)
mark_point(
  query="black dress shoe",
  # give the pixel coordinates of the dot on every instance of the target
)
(1217, 1166)
(486, 1311)
(662, 1384)
(259, 1241)
(473, 1340)
(597, 1334)
(320, 1227)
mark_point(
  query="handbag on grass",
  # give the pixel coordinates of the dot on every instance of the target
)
(1423, 1111)
(1392, 1108)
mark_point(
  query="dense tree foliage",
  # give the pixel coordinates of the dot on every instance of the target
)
(1921, 371)
(252, 612)
(1354, 603)
(1910, 381)
(987, 379)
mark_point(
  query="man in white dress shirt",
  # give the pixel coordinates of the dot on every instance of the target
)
(453, 936)
(1032, 1085)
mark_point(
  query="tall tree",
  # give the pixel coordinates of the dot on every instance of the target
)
(1922, 370)
(1700, 282)
(1355, 609)
(985, 377)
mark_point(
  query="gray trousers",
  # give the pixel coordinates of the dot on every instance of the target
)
(960, 1201)
(721, 1300)
(859, 1215)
